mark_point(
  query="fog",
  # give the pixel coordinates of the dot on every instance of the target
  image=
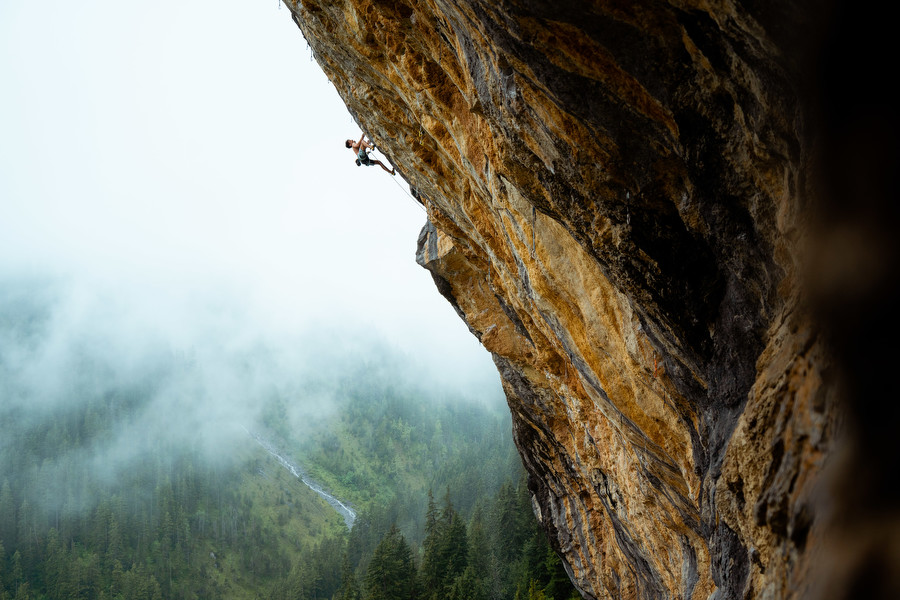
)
(179, 216)
(178, 372)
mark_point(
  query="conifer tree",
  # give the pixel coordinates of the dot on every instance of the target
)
(446, 549)
(17, 573)
(349, 588)
(391, 574)
(455, 546)
(468, 586)
(507, 534)
(118, 574)
(114, 546)
(534, 592)
(432, 565)
(2, 569)
(7, 515)
(479, 557)
(23, 592)
(431, 516)
(559, 587)
(24, 539)
(54, 565)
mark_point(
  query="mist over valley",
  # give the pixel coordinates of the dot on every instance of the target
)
(195, 453)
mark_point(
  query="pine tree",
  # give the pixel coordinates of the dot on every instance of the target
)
(431, 516)
(534, 592)
(455, 546)
(559, 587)
(55, 572)
(446, 549)
(2, 569)
(23, 592)
(17, 573)
(7, 515)
(155, 590)
(391, 574)
(349, 588)
(479, 558)
(432, 564)
(296, 586)
(506, 542)
(26, 537)
(114, 551)
(468, 586)
(118, 575)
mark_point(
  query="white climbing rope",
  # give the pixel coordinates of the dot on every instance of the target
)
(413, 198)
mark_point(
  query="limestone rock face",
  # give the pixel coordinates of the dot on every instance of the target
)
(616, 198)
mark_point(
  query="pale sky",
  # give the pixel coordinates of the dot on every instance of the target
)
(180, 154)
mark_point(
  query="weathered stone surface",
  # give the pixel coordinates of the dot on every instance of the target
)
(617, 194)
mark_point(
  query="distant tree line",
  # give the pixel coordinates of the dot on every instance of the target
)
(153, 538)
(175, 525)
(172, 525)
(499, 554)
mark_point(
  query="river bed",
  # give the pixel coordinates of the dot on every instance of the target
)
(348, 514)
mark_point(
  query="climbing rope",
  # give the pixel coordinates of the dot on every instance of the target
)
(413, 198)
(419, 204)
(627, 210)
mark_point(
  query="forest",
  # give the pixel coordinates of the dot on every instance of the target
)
(101, 496)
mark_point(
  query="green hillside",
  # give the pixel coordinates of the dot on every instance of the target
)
(124, 475)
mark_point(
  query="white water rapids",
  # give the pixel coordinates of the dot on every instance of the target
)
(345, 511)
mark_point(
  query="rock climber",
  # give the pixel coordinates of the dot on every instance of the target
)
(362, 157)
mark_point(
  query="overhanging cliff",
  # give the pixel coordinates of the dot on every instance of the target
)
(617, 193)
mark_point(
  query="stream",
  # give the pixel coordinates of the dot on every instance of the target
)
(345, 511)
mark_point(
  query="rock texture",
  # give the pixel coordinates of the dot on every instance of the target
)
(618, 197)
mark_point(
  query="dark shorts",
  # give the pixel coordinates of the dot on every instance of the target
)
(364, 158)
